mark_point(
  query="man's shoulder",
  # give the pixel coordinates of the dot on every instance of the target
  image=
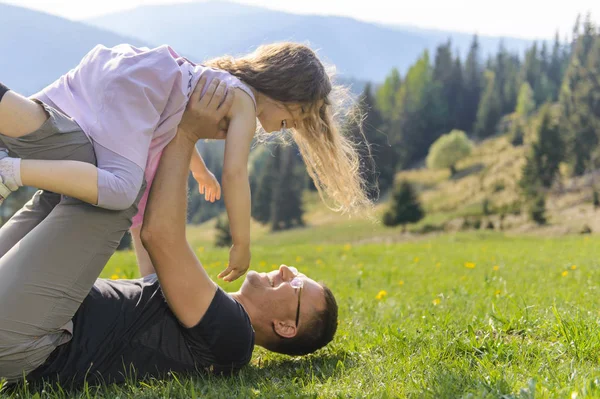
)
(224, 336)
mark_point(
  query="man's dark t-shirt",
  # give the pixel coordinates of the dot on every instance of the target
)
(125, 328)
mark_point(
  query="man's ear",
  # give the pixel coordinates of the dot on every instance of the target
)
(286, 329)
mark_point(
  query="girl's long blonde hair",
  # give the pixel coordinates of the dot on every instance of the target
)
(291, 73)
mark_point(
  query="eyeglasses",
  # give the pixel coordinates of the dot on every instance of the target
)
(297, 283)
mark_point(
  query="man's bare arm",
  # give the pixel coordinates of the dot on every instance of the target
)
(187, 287)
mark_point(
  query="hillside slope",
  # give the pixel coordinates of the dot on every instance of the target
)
(452, 204)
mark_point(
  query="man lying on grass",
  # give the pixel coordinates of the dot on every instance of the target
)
(58, 322)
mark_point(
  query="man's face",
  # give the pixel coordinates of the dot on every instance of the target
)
(275, 296)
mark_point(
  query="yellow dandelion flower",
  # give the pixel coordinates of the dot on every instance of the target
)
(123, 276)
(319, 249)
(401, 282)
(381, 294)
(118, 270)
(200, 249)
(319, 262)
(573, 267)
(416, 259)
(436, 301)
(263, 263)
(498, 292)
(438, 264)
(496, 268)
(470, 265)
(565, 273)
(347, 247)
(274, 267)
(299, 259)
(114, 277)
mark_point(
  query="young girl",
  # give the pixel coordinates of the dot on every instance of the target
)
(129, 101)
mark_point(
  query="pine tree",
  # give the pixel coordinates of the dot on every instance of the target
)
(456, 106)
(555, 68)
(537, 209)
(510, 84)
(223, 236)
(534, 74)
(489, 111)
(517, 133)
(286, 203)
(262, 199)
(387, 95)
(378, 157)
(525, 102)
(473, 84)
(541, 166)
(125, 243)
(443, 77)
(577, 97)
(404, 208)
(420, 120)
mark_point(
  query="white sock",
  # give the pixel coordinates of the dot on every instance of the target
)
(10, 170)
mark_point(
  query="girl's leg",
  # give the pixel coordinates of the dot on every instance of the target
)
(19, 115)
(26, 219)
(44, 278)
(71, 178)
(114, 186)
(60, 138)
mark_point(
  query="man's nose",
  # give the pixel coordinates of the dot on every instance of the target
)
(286, 272)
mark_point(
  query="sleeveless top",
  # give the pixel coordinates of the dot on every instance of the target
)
(130, 100)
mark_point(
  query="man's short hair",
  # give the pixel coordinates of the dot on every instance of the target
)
(317, 332)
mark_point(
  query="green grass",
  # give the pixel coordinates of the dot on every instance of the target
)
(470, 315)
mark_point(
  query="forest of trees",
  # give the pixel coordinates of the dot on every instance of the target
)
(549, 97)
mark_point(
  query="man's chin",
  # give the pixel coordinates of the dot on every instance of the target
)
(254, 279)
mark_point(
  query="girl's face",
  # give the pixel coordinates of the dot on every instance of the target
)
(275, 116)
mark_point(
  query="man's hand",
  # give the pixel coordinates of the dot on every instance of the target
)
(204, 116)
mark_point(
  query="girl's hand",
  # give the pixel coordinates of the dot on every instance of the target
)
(239, 262)
(208, 185)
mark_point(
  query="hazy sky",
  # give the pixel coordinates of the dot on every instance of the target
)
(521, 18)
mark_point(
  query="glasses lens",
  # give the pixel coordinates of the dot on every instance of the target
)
(297, 282)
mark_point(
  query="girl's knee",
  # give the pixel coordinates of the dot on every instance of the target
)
(19, 115)
(117, 192)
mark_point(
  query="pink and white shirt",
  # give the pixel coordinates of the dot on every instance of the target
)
(131, 100)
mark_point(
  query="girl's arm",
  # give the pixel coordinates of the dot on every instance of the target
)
(144, 261)
(208, 185)
(236, 187)
(197, 164)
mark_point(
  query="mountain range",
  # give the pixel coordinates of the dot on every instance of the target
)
(36, 48)
(359, 49)
(39, 47)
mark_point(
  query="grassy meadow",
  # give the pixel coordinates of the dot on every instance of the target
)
(450, 314)
(467, 315)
